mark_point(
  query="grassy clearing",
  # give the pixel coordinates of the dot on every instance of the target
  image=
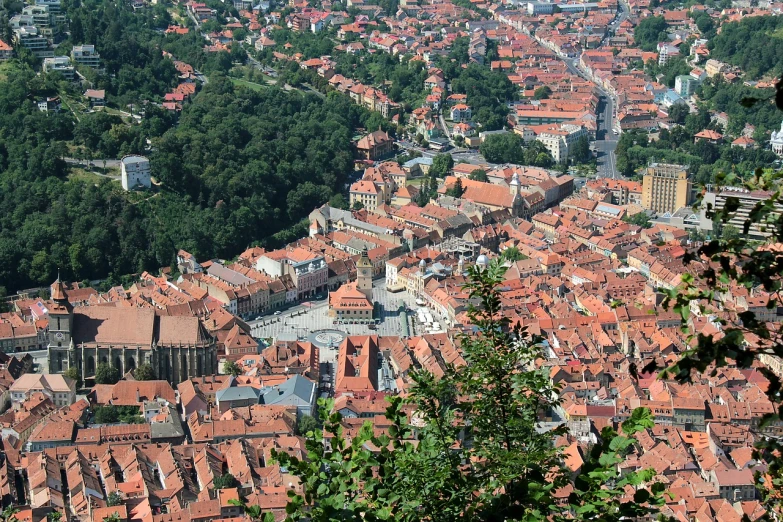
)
(249, 85)
(79, 174)
(416, 182)
(7, 68)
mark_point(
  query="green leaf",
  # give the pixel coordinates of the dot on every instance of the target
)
(620, 443)
(641, 496)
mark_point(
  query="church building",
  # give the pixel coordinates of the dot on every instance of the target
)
(177, 347)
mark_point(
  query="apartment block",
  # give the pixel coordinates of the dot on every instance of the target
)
(29, 38)
(559, 141)
(86, 55)
(59, 64)
(666, 188)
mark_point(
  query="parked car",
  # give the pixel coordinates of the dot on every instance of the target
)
(278, 312)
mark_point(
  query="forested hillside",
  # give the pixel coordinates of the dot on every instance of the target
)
(754, 44)
(129, 45)
(240, 166)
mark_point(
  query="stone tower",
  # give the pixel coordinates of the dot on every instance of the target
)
(364, 275)
(60, 329)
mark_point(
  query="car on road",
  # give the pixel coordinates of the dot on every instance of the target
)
(278, 312)
(614, 131)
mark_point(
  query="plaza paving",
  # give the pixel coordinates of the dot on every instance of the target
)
(302, 321)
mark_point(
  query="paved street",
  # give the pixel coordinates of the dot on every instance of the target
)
(110, 163)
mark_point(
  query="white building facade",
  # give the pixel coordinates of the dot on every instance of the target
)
(135, 172)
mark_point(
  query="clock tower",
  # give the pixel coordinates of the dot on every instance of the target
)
(364, 275)
(60, 328)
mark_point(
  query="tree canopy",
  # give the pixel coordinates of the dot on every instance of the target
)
(106, 374)
(73, 373)
(640, 219)
(232, 368)
(114, 414)
(129, 45)
(144, 373)
(650, 32)
(239, 162)
(441, 165)
(478, 175)
(503, 148)
(225, 481)
(706, 160)
(542, 93)
(488, 94)
(755, 44)
(456, 190)
(113, 499)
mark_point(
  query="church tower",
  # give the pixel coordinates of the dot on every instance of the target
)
(60, 328)
(364, 275)
(514, 185)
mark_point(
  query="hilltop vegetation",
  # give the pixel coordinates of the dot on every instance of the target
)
(649, 32)
(755, 44)
(129, 45)
(240, 166)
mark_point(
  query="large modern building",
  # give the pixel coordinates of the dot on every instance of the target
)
(53, 5)
(715, 198)
(685, 85)
(86, 55)
(559, 141)
(177, 347)
(59, 64)
(30, 38)
(666, 188)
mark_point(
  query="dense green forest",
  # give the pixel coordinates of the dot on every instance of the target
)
(237, 166)
(240, 166)
(509, 148)
(129, 45)
(650, 32)
(488, 92)
(731, 98)
(755, 44)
